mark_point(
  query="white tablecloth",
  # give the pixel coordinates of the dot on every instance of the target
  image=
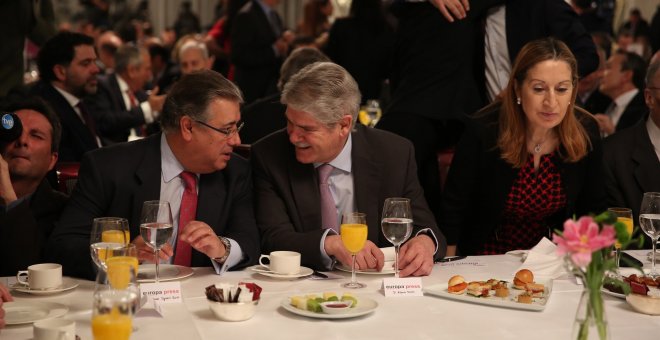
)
(424, 317)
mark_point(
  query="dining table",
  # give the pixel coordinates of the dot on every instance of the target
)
(400, 317)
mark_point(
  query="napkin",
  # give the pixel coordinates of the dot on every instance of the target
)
(390, 254)
(543, 260)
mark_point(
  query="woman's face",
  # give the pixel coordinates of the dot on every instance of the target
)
(546, 93)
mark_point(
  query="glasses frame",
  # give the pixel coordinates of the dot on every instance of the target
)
(228, 133)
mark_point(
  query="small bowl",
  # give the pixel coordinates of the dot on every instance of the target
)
(644, 304)
(336, 307)
(234, 311)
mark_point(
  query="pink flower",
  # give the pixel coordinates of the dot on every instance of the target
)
(581, 238)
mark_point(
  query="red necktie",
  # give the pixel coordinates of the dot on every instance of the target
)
(87, 119)
(186, 214)
(132, 99)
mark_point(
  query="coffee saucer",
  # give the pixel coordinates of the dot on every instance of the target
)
(304, 271)
(67, 284)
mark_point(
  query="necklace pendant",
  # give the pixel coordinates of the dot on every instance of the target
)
(537, 148)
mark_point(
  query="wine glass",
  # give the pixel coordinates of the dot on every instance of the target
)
(156, 226)
(115, 301)
(649, 221)
(354, 232)
(397, 224)
(623, 215)
(108, 234)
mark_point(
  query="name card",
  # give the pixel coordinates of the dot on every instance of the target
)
(409, 286)
(162, 292)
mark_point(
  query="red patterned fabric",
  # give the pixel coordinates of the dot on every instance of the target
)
(534, 196)
(186, 214)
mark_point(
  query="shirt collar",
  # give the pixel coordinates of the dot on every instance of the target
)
(625, 99)
(123, 85)
(71, 99)
(343, 160)
(169, 164)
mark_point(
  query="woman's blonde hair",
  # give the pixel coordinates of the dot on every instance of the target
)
(573, 138)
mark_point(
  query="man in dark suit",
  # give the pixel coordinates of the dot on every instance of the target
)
(266, 115)
(623, 82)
(357, 170)
(632, 156)
(28, 205)
(200, 120)
(67, 67)
(121, 104)
(259, 44)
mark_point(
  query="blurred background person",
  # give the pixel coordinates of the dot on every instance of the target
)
(315, 21)
(186, 22)
(218, 39)
(526, 162)
(164, 71)
(194, 56)
(106, 47)
(589, 96)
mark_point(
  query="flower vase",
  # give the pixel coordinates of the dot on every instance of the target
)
(590, 319)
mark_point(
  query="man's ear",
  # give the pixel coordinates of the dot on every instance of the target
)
(53, 160)
(209, 62)
(60, 72)
(346, 124)
(185, 127)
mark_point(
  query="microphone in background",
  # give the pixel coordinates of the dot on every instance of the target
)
(10, 128)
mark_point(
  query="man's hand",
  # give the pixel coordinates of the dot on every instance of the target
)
(156, 101)
(201, 237)
(370, 257)
(605, 123)
(7, 193)
(4, 297)
(416, 256)
(146, 253)
(451, 9)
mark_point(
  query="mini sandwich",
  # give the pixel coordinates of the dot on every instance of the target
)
(478, 288)
(535, 289)
(522, 278)
(457, 285)
(524, 298)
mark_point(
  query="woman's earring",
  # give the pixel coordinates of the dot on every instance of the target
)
(518, 100)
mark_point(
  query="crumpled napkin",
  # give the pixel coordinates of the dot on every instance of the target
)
(389, 257)
(543, 260)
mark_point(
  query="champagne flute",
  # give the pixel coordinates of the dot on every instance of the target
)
(397, 225)
(156, 226)
(108, 234)
(649, 221)
(623, 215)
(354, 232)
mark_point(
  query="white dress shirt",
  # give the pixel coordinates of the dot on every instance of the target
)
(654, 134)
(74, 101)
(498, 63)
(145, 106)
(171, 190)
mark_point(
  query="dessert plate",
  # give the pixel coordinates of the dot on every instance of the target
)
(24, 312)
(167, 272)
(67, 284)
(304, 271)
(538, 304)
(364, 306)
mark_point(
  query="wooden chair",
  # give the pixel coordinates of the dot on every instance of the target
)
(67, 176)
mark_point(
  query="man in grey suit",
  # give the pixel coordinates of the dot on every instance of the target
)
(632, 156)
(191, 159)
(366, 166)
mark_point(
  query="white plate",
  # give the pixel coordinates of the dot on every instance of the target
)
(388, 269)
(166, 272)
(24, 312)
(610, 293)
(538, 304)
(624, 271)
(364, 306)
(67, 283)
(304, 271)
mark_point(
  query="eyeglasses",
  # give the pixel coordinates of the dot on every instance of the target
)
(227, 132)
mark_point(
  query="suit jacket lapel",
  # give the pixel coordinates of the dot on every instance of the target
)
(148, 178)
(366, 179)
(647, 163)
(211, 197)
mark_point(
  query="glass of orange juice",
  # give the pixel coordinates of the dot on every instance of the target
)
(623, 215)
(353, 231)
(108, 235)
(112, 315)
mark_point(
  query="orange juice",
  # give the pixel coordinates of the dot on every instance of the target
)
(629, 227)
(130, 260)
(119, 271)
(112, 326)
(353, 236)
(116, 236)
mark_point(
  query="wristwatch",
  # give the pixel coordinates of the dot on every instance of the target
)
(227, 244)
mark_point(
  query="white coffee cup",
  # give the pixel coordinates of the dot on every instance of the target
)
(282, 262)
(41, 276)
(55, 329)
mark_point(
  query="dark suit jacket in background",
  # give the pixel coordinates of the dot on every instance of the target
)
(597, 102)
(631, 168)
(113, 119)
(257, 66)
(479, 181)
(116, 180)
(288, 202)
(635, 111)
(25, 229)
(76, 138)
(262, 118)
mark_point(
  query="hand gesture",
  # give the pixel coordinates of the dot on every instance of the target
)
(451, 9)
(201, 237)
(416, 256)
